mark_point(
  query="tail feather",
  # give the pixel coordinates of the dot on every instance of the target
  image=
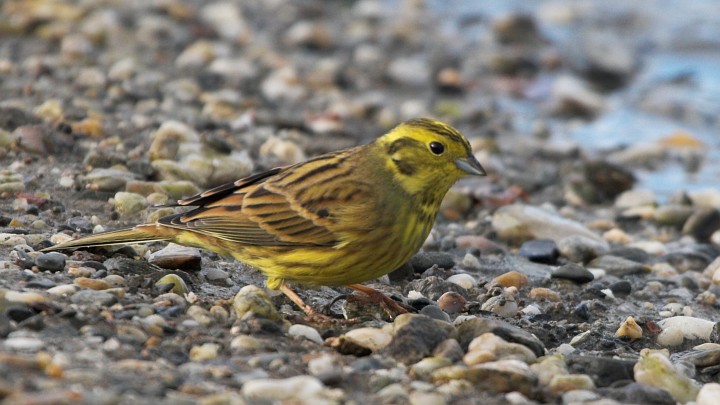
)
(136, 234)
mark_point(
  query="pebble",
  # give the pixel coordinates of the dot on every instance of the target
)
(618, 266)
(415, 337)
(635, 198)
(677, 328)
(517, 221)
(91, 283)
(464, 280)
(452, 302)
(306, 332)
(673, 214)
(24, 343)
(424, 368)
(573, 272)
(92, 297)
(178, 284)
(362, 341)
(300, 387)
(504, 304)
(629, 329)
(489, 347)
(702, 224)
(254, 301)
(52, 261)
(129, 203)
(540, 251)
(568, 382)
(175, 256)
(655, 369)
(470, 327)
(498, 376)
(708, 394)
(63, 290)
(544, 294)
(582, 249)
(548, 367)
(512, 279)
(206, 351)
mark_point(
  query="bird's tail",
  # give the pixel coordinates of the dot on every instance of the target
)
(138, 234)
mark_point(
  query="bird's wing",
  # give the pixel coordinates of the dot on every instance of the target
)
(281, 207)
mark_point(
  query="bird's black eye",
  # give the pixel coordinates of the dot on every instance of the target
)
(437, 148)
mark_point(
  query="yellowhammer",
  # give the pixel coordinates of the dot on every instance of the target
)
(338, 219)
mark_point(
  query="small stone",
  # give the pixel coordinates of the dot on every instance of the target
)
(635, 198)
(548, 367)
(708, 394)
(415, 337)
(618, 266)
(685, 327)
(91, 283)
(178, 284)
(24, 343)
(470, 327)
(302, 387)
(498, 376)
(63, 290)
(673, 214)
(452, 302)
(103, 179)
(206, 351)
(424, 368)
(362, 341)
(617, 236)
(129, 203)
(52, 261)
(512, 279)
(22, 297)
(246, 343)
(629, 329)
(581, 249)
(540, 251)
(449, 349)
(489, 347)
(702, 224)
(92, 297)
(464, 280)
(569, 382)
(544, 294)
(253, 301)
(521, 222)
(470, 262)
(655, 369)
(305, 332)
(175, 256)
(573, 272)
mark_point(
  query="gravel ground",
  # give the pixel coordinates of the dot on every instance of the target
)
(557, 279)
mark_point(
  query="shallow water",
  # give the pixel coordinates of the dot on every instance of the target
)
(675, 89)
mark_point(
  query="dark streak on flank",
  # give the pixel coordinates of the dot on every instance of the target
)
(260, 192)
(323, 213)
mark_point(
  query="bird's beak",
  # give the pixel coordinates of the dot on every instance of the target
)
(470, 165)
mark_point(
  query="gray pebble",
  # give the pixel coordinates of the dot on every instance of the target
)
(92, 297)
(52, 261)
(573, 272)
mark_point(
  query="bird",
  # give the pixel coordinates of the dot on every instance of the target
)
(338, 219)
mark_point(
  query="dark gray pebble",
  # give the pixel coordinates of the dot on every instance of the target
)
(604, 370)
(573, 272)
(540, 251)
(635, 393)
(433, 311)
(621, 288)
(618, 266)
(702, 223)
(634, 254)
(40, 283)
(416, 339)
(92, 297)
(424, 260)
(52, 261)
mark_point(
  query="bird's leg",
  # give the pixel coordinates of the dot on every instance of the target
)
(310, 312)
(390, 306)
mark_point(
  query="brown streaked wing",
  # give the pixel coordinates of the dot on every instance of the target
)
(217, 193)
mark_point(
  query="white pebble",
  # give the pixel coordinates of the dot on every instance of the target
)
(709, 394)
(470, 261)
(463, 280)
(298, 387)
(686, 326)
(306, 332)
(24, 343)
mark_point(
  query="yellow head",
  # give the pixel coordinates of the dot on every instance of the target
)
(427, 155)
